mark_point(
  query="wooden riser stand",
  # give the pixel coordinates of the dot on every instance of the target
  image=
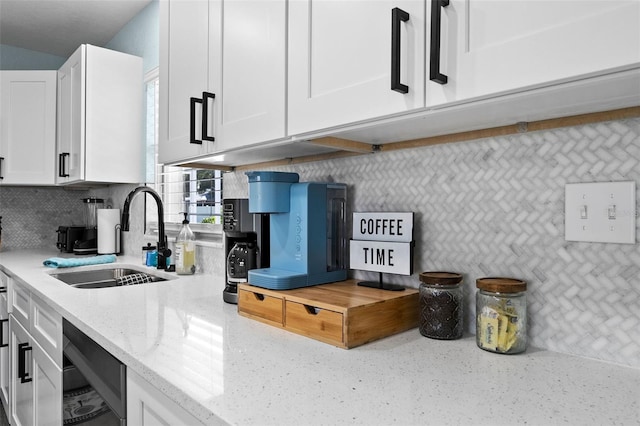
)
(341, 314)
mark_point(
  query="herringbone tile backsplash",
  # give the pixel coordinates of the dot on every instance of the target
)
(31, 216)
(495, 207)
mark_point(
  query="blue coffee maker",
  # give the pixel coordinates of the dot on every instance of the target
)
(307, 222)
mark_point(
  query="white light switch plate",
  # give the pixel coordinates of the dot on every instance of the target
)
(602, 212)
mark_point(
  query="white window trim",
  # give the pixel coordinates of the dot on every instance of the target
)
(206, 234)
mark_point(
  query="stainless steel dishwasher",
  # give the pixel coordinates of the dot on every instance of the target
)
(97, 369)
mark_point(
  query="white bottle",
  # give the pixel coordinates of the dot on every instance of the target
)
(185, 250)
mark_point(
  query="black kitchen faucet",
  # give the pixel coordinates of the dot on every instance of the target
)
(163, 250)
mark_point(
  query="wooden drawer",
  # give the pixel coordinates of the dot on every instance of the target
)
(342, 314)
(265, 308)
(314, 322)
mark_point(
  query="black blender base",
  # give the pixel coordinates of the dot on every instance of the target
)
(86, 247)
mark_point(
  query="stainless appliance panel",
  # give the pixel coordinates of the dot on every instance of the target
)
(104, 372)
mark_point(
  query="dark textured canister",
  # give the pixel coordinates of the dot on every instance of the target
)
(441, 305)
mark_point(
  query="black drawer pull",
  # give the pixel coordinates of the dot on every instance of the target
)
(23, 375)
(2, 344)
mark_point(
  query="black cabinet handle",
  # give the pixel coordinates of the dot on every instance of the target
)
(23, 375)
(62, 164)
(3, 289)
(397, 16)
(205, 116)
(1, 161)
(434, 62)
(192, 118)
(2, 344)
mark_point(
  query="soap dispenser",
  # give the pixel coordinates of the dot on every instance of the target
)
(185, 250)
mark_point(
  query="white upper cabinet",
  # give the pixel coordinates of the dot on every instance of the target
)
(27, 127)
(36, 381)
(71, 101)
(251, 105)
(341, 61)
(491, 47)
(99, 117)
(380, 71)
(222, 76)
(184, 76)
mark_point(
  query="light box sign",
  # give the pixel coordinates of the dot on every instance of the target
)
(382, 242)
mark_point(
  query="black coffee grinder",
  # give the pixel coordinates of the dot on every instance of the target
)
(246, 244)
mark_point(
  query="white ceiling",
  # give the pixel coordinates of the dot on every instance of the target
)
(58, 27)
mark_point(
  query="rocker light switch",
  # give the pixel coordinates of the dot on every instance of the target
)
(602, 212)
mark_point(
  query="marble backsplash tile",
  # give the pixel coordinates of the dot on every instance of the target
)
(31, 216)
(485, 207)
(495, 207)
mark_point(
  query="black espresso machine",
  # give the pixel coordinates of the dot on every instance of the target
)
(246, 244)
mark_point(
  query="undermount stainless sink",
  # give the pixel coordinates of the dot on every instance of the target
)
(108, 277)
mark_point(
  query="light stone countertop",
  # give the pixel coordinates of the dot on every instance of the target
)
(223, 368)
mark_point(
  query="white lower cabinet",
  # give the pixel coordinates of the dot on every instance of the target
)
(4, 342)
(21, 385)
(35, 360)
(147, 406)
(36, 381)
(47, 388)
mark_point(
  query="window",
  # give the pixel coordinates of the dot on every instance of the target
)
(197, 192)
(192, 191)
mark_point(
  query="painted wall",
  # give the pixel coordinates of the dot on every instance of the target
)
(495, 207)
(30, 216)
(17, 58)
(141, 37)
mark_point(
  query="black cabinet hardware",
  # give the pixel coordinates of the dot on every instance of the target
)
(434, 62)
(192, 119)
(205, 116)
(2, 322)
(23, 375)
(397, 16)
(62, 164)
